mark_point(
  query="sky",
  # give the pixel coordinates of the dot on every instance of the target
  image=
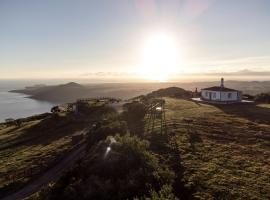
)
(101, 39)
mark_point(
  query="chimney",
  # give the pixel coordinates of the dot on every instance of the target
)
(222, 83)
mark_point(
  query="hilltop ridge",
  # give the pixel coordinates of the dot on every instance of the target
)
(71, 91)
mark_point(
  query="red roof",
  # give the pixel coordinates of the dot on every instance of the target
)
(218, 89)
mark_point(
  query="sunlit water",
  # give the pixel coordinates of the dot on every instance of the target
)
(13, 105)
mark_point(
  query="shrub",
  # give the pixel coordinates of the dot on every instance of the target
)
(105, 128)
(129, 169)
(134, 114)
(165, 193)
(263, 98)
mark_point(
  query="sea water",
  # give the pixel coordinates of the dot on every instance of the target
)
(14, 105)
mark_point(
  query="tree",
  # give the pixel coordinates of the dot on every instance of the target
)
(134, 114)
(55, 109)
(18, 122)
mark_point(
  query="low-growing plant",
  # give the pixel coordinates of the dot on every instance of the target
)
(121, 168)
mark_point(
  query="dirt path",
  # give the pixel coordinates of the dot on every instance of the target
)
(51, 175)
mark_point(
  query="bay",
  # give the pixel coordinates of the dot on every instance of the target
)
(14, 105)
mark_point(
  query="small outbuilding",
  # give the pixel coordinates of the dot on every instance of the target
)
(221, 94)
(9, 120)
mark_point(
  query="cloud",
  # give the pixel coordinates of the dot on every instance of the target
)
(256, 63)
(244, 72)
(247, 72)
(108, 74)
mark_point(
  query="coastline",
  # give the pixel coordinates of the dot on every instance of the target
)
(20, 105)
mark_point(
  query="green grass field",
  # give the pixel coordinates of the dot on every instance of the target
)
(225, 150)
(36, 144)
(264, 105)
(40, 142)
(215, 151)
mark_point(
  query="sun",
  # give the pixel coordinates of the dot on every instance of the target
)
(160, 57)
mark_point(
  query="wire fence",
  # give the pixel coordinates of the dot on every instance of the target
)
(156, 118)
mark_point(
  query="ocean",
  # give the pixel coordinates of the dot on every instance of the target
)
(13, 105)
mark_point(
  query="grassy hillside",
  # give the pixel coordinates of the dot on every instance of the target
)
(59, 93)
(200, 152)
(31, 146)
(38, 144)
(170, 92)
(264, 105)
(225, 150)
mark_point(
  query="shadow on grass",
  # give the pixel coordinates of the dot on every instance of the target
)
(251, 112)
(166, 146)
(54, 127)
(48, 130)
(13, 129)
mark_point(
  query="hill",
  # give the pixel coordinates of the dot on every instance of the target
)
(223, 149)
(194, 151)
(68, 92)
(71, 91)
(30, 148)
(170, 92)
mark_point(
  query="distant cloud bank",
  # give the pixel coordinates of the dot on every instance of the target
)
(237, 75)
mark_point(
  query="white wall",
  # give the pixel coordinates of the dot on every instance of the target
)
(215, 95)
(204, 94)
(225, 96)
(220, 96)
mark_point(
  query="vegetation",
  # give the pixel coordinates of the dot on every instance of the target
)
(264, 105)
(38, 143)
(263, 98)
(224, 151)
(23, 147)
(110, 126)
(128, 170)
(194, 151)
(134, 114)
(165, 193)
(170, 92)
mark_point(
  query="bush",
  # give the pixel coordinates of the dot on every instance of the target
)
(135, 110)
(127, 170)
(134, 115)
(263, 98)
(165, 193)
(105, 128)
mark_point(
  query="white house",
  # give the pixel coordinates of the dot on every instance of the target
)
(221, 94)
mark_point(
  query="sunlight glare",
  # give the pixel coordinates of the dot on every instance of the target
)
(160, 57)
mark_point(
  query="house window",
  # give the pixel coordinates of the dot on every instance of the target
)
(229, 95)
(214, 95)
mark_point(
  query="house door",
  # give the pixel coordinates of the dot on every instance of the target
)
(210, 95)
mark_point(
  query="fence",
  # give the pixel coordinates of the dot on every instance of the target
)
(156, 115)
